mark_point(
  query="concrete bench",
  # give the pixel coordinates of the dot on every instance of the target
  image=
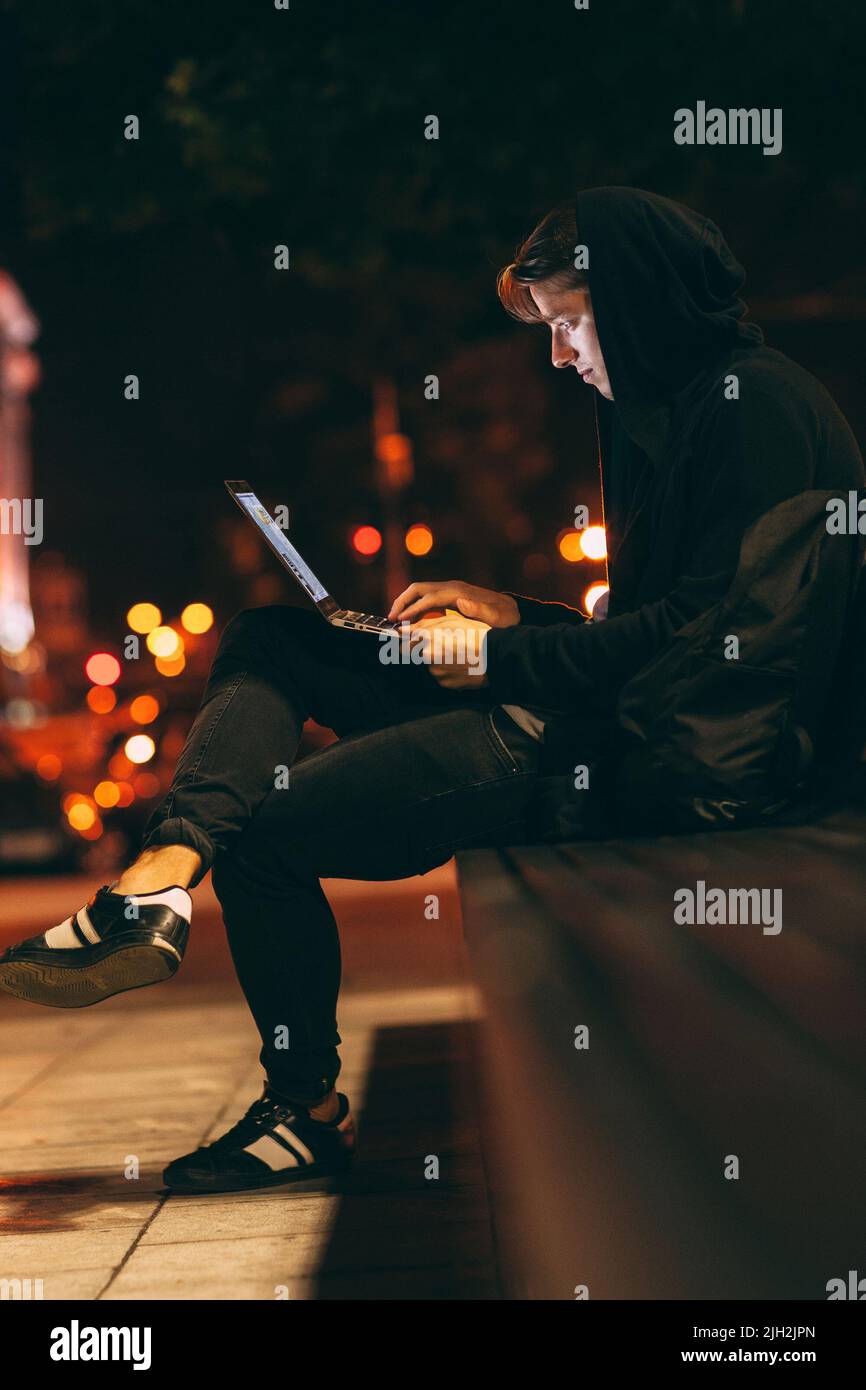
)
(675, 1109)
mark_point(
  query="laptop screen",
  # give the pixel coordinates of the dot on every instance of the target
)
(280, 543)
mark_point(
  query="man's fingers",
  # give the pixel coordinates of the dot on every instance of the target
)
(411, 605)
(424, 608)
(402, 599)
(430, 592)
(421, 601)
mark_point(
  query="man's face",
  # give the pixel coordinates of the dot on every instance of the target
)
(574, 339)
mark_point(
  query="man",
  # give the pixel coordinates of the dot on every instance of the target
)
(703, 432)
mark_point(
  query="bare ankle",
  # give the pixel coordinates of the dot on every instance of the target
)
(326, 1109)
(160, 867)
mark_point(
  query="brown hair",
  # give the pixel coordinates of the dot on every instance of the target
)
(546, 254)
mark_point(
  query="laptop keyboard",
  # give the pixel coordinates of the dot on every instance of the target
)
(368, 619)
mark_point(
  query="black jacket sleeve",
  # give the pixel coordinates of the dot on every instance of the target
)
(541, 612)
(750, 455)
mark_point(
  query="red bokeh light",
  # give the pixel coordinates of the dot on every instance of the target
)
(366, 540)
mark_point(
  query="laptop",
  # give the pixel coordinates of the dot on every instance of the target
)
(293, 561)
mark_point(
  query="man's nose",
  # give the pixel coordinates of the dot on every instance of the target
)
(561, 353)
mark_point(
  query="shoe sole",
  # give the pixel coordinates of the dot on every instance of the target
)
(76, 987)
(312, 1171)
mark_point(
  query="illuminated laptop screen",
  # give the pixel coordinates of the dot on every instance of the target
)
(266, 524)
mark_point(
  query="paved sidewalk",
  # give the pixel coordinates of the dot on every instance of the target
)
(94, 1102)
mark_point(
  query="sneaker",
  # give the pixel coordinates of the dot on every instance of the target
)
(116, 942)
(276, 1142)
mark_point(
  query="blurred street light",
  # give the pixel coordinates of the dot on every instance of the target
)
(568, 544)
(140, 748)
(366, 540)
(165, 642)
(144, 709)
(144, 617)
(593, 543)
(102, 668)
(419, 540)
(592, 596)
(197, 618)
(101, 699)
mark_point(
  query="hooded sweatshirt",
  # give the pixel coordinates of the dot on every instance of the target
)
(708, 430)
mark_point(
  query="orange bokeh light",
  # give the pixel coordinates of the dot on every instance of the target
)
(419, 540)
(144, 709)
(170, 665)
(81, 816)
(144, 617)
(569, 546)
(106, 794)
(49, 767)
(101, 699)
(102, 668)
(197, 618)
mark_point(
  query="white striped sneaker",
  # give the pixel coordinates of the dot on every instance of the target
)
(274, 1143)
(115, 942)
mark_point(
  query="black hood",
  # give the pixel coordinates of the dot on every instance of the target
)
(665, 294)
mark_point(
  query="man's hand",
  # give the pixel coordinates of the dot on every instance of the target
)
(460, 647)
(484, 605)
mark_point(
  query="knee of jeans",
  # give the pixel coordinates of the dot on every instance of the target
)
(254, 627)
(251, 867)
(250, 622)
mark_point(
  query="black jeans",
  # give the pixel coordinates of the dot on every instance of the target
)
(417, 773)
